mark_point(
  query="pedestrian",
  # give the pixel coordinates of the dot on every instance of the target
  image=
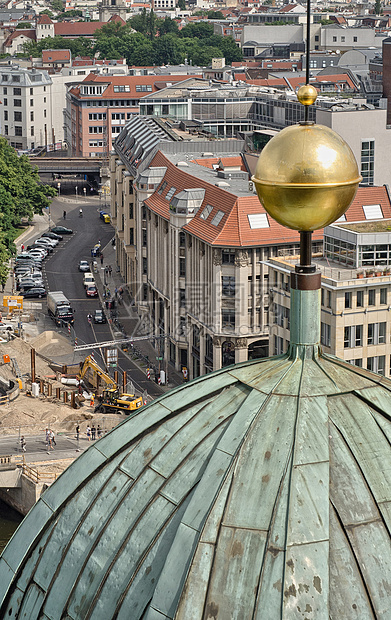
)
(110, 270)
(115, 292)
(22, 247)
(99, 431)
(64, 215)
(53, 439)
(23, 443)
(77, 432)
(93, 432)
(88, 433)
(101, 259)
(47, 437)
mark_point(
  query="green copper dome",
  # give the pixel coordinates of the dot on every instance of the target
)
(260, 491)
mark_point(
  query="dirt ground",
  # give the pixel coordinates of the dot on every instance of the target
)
(34, 414)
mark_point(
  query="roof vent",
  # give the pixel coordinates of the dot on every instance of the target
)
(207, 154)
(222, 184)
(182, 164)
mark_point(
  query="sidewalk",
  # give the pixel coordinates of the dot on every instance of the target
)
(129, 320)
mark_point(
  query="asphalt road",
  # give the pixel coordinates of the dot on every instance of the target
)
(62, 274)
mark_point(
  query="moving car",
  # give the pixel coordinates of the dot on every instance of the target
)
(88, 279)
(37, 291)
(99, 317)
(105, 217)
(84, 266)
(61, 230)
(91, 291)
(52, 235)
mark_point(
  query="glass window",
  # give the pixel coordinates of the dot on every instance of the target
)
(371, 297)
(228, 257)
(228, 319)
(325, 334)
(228, 286)
(217, 218)
(182, 267)
(206, 212)
(360, 299)
(348, 300)
(383, 295)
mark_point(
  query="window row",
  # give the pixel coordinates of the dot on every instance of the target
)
(354, 335)
(372, 299)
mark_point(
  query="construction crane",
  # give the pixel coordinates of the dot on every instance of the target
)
(114, 343)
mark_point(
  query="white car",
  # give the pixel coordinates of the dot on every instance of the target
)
(88, 279)
(48, 241)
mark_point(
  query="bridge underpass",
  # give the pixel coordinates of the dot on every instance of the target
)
(72, 172)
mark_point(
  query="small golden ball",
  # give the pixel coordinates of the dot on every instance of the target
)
(307, 94)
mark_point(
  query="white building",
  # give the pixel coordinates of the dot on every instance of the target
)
(29, 115)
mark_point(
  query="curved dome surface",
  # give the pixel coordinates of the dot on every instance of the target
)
(259, 491)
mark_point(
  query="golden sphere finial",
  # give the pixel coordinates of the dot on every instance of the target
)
(307, 94)
(306, 177)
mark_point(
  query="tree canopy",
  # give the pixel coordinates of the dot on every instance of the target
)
(155, 42)
(21, 193)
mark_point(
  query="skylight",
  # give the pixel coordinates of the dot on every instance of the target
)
(170, 193)
(217, 218)
(341, 219)
(373, 212)
(206, 212)
(258, 220)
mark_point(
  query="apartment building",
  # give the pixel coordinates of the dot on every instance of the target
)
(28, 114)
(247, 109)
(356, 286)
(192, 245)
(99, 106)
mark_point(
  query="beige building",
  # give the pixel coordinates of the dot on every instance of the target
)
(192, 245)
(355, 293)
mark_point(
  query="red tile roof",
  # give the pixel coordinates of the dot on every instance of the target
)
(156, 82)
(56, 56)
(44, 19)
(234, 228)
(77, 29)
(30, 34)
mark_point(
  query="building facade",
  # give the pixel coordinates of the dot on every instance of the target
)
(356, 288)
(192, 243)
(28, 112)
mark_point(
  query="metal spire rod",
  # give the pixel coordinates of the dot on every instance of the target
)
(307, 56)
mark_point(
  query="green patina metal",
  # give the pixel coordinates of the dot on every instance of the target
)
(260, 491)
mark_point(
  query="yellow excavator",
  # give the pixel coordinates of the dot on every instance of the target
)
(111, 399)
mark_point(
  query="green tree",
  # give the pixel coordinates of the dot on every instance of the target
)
(48, 13)
(201, 30)
(215, 15)
(4, 268)
(21, 193)
(57, 6)
(378, 9)
(23, 25)
(167, 50)
(78, 47)
(167, 26)
(181, 5)
(139, 22)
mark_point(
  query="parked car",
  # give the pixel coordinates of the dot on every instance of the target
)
(23, 270)
(53, 242)
(91, 290)
(84, 266)
(26, 284)
(41, 244)
(37, 291)
(39, 252)
(34, 275)
(99, 317)
(52, 235)
(61, 230)
(105, 217)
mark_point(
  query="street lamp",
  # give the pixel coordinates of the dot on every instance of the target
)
(59, 188)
